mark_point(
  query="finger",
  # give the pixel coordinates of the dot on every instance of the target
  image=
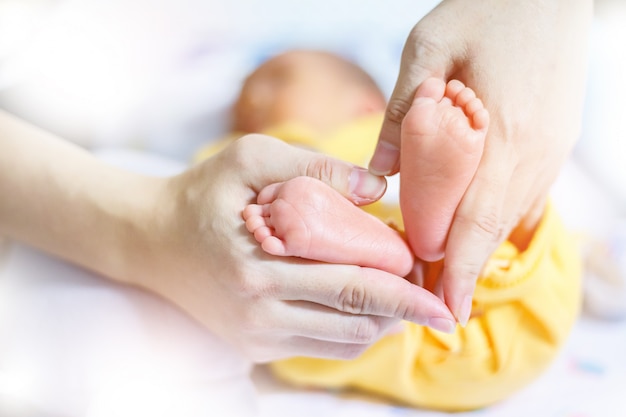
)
(420, 60)
(252, 152)
(494, 208)
(300, 346)
(303, 346)
(312, 320)
(355, 183)
(366, 291)
(302, 328)
(386, 158)
(477, 229)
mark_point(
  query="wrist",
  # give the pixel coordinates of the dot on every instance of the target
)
(127, 216)
(152, 248)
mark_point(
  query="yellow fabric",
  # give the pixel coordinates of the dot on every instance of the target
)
(524, 307)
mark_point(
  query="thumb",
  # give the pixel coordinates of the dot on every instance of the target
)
(421, 59)
(269, 160)
(353, 182)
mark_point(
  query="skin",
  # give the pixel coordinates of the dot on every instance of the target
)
(305, 218)
(527, 61)
(183, 238)
(443, 136)
(315, 88)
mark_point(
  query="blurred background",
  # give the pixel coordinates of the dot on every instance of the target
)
(602, 148)
(159, 75)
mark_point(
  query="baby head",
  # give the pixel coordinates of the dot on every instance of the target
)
(319, 90)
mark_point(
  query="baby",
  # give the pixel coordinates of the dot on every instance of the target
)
(527, 297)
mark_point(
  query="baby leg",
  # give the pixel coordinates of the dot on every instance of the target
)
(306, 218)
(443, 136)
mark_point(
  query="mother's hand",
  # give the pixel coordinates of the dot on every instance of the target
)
(526, 60)
(207, 263)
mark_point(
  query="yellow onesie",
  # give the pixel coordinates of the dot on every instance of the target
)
(524, 307)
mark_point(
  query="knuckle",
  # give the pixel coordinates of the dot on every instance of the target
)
(422, 48)
(486, 224)
(244, 151)
(254, 287)
(405, 311)
(489, 225)
(467, 270)
(365, 331)
(422, 40)
(354, 299)
(322, 169)
(239, 151)
(397, 109)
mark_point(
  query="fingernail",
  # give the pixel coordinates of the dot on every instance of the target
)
(463, 313)
(366, 187)
(384, 159)
(442, 324)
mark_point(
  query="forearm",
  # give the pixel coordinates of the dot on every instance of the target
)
(57, 197)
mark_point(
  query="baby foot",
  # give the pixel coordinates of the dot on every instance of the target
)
(304, 217)
(443, 136)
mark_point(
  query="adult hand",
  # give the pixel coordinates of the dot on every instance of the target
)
(204, 260)
(184, 238)
(526, 61)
